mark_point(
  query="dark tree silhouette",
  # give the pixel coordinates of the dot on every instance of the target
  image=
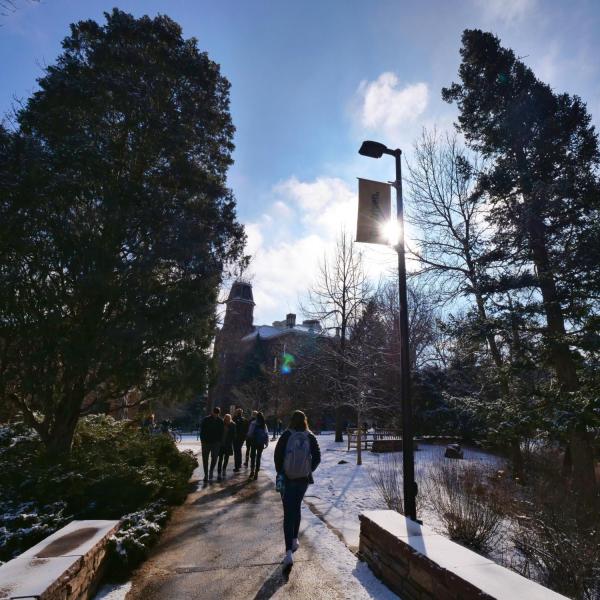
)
(115, 223)
(545, 203)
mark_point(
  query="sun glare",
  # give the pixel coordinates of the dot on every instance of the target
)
(391, 232)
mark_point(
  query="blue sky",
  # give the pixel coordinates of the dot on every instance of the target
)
(310, 80)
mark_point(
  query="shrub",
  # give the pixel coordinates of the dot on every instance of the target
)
(389, 482)
(137, 534)
(558, 539)
(113, 469)
(469, 503)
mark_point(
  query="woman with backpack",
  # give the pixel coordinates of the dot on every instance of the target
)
(297, 455)
(258, 434)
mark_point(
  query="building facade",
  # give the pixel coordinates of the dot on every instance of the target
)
(245, 354)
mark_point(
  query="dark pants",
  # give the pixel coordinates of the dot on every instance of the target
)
(248, 446)
(223, 460)
(255, 454)
(237, 453)
(212, 450)
(292, 509)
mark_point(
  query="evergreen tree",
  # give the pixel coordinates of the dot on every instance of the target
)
(545, 201)
(116, 223)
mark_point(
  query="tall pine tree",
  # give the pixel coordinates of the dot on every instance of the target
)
(544, 193)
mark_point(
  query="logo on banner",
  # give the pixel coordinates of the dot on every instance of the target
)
(374, 211)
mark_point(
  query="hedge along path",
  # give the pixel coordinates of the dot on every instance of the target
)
(226, 542)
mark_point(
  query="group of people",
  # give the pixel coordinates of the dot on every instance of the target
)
(225, 437)
(297, 455)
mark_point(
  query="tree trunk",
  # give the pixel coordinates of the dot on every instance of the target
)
(516, 459)
(60, 435)
(358, 440)
(339, 424)
(584, 476)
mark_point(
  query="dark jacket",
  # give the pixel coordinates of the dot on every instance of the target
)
(241, 429)
(315, 452)
(228, 437)
(211, 429)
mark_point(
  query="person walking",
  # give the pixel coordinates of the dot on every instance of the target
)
(259, 436)
(226, 449)
(211, 436)
(297, 455)
(241, 431)
(248, 440)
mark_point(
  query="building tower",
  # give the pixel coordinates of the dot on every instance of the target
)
(228, 352)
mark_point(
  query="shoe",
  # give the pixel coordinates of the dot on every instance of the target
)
(236, 469)
(205, 479)
(295, 544)
(245, 465)
(210, 476)
(251, 475)
(288, 559)
(219, 477)
(256, 475)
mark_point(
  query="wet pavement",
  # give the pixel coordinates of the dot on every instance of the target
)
(226, 542)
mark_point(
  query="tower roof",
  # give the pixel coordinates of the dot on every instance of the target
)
(241, 291)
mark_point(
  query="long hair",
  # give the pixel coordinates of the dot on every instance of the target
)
(260, 420)
(298, 422)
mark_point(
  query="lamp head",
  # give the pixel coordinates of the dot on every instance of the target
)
(372, 149)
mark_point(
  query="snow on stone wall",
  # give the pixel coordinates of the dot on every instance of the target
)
(418, 564)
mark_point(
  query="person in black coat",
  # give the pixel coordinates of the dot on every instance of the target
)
(241, 431)
(293, 488)
(258, 433)
(226, 445)
(248, 439)
(211, 436)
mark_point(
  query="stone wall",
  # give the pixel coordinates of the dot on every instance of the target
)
(418, 564)
(65, 566)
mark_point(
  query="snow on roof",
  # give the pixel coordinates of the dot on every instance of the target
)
(269, 332)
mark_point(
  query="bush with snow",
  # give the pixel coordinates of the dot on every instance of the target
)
(113, 469)
(137, 534)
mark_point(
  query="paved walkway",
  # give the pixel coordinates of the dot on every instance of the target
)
(226, 542)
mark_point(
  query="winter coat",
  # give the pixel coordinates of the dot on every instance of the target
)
(211, 429)
(251, 438)
(228, 437)
(315, 452)
(241, 429)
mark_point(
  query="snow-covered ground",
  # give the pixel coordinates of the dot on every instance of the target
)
(342, 491)
(189, 441)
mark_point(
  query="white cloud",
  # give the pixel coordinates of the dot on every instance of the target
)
(506, 11)
(285, 262)
(385, 107)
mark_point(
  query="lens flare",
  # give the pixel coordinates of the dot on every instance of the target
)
(287, 363)
(391, 232)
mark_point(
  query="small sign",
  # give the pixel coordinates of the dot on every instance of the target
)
(374, 211)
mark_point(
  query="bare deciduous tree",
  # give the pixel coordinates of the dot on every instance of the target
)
(337, 300)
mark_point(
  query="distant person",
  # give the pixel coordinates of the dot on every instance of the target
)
(297, 455)
(211, 436)
(248, 440)
(226, 449)
(279, 427)
(241, 431)
(259, 436)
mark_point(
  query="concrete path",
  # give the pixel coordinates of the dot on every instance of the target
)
(226, 542)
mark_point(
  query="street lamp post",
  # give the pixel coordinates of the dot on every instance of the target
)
(376, 150)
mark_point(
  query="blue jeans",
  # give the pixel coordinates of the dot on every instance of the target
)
(292, 503)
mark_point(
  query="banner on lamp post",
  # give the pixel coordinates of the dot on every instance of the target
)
(374, 211)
